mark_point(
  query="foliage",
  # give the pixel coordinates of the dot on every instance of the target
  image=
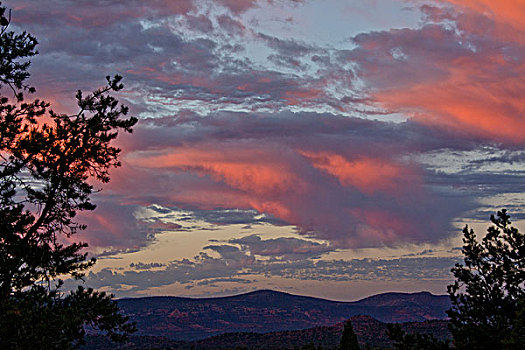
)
(488, 294)
(516, 340)
(311, 346)
(42, 320)
(47, 161)
(415, 341)
(349, 338)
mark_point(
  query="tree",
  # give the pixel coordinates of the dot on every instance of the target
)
(349, 338)
(488, 295)
(48, 162)
(415, 341)
(311, 346)
(516, 340)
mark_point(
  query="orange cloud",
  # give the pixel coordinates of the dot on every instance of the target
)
(293, 186)
(368, 175)
(491, 109)
(208, 198)
(248, 170)
(469, 81)
(257, 179)
(384, 226)
(508, 16)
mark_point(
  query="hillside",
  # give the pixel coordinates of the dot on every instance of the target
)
(370, 332)
(266, 311)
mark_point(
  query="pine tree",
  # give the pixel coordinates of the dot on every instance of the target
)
(414, 341)
(47, 164)
(489, 291)
(349, 338)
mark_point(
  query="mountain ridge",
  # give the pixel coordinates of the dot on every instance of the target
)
(276, 292)
(183, 318)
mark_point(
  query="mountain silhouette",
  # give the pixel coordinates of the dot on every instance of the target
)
(263, 311)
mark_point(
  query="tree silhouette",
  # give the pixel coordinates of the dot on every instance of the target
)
(47, 161)
(516, 340)
(349, 338)
(415, 341)
(488, 295)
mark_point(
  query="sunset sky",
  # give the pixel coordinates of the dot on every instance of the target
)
(332, 148)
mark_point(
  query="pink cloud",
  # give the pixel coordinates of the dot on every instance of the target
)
(507, 17)
(238, 6)
(253, 170)
(465, 81)
(369, 175)
(88, 14)
(258, 175)
(288, 169)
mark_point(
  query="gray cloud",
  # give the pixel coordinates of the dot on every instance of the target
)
(285, 248)
(143, 266)
(206, 270)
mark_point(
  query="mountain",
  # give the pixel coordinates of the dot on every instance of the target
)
(265, 311)
(370, 333)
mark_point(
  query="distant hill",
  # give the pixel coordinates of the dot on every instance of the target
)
(265, 311)
(370, 333)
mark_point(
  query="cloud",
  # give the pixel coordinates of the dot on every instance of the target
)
(239, 6)
(97, 13)
(174, 55)
(285, 248)
(228, 165)
(114, 227)
(212, 282)
(233, 265)
(142, 266)
(199, 23)
(346, 180)
(453, 76)
(447, 73)
(231, 25)
(203, 266)
(234, 216)
(240, 260)
(369, 175)
(504, 19)
(354, 182)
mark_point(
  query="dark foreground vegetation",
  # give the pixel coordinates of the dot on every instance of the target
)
(370, 332)
(48, 164)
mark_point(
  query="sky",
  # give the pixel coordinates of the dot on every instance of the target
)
(332, 148)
